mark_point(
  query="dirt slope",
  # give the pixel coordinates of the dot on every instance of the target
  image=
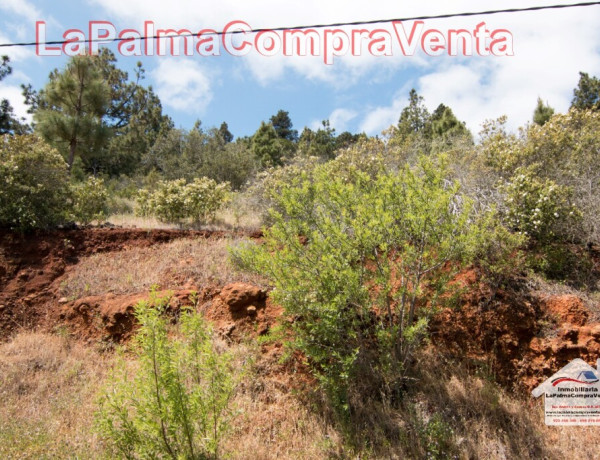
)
(31, 267)
(520, 336)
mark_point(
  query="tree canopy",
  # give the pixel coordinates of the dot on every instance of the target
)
(9, 124)
(542, 113)
(72, 107)
(587, 94)
(282, 124)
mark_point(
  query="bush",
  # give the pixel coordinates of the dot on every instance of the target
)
(174, 201)
(540, 209)
(262, 194)
(90, 200)
(562, 154)
(35, 189)
(177, 404)
(359, 264)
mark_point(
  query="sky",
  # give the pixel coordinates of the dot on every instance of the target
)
(358, 93)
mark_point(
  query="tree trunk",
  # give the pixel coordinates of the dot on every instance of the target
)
(72, 147)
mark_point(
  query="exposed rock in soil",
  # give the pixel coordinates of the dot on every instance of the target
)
(522, 337)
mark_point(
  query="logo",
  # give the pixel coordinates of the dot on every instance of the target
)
(238, 38)
(585, 377)
(572, 395)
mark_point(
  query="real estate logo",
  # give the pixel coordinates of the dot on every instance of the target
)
(572, 395)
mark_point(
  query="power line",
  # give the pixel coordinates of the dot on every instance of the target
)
(321, 26)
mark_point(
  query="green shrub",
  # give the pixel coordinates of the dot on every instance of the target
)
(437, 437)
(562, 155)
(35, 184)
(203, 198)
(178, 403)
(564, 263)
(264, 192)
(175, 201)
(539, 208)
(359, 263)
(90, 200)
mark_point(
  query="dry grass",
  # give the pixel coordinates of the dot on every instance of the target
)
(273, 422)
(464, 411)
(47, 387)
(238, 218)
(544, 287)
(230, 218)
(171, 266)
(133, 221)
(450, 411)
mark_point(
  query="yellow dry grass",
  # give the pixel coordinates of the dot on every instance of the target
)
(229, 218)
(133, 221)
(47, 387)
(171, 266)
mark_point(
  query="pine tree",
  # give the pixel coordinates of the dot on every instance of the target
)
(134, 115)
(9, 124)
(542, 113)
(414, 118)
(587, 93)
(72, 107)
(266, 145)
(320, 143)
(444, 123)
(282, 123)
(225, 133)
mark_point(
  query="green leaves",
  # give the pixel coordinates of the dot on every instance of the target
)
(90, 200)
(72, 107)
(177, 404)
(538, 208)
(587, 94)
(357, 256)
(174, 201)
(35, 192)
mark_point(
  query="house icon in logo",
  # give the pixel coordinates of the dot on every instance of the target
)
(572, 395)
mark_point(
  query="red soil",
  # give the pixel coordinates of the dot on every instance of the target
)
(521, 337)
(32, 268)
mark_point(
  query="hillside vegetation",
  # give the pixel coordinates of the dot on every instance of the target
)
(312, 295)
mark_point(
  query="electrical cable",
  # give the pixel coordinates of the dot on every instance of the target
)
(321, 26)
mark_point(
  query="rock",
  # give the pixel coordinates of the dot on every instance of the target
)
(82, 307)
(63, 300)
(569, 333)
(228, 330)
(251, 310)
(568, 308)
(189, 285)
(239, 295)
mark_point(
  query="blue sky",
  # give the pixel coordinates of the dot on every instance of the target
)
(363, 93)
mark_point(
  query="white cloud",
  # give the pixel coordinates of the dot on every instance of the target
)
(21, 8)
(380, 118)
(14, 96)
(273, 13)
(550, 46)
(339, 119)
(183, 85)
(16, 53)
(546, 64)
